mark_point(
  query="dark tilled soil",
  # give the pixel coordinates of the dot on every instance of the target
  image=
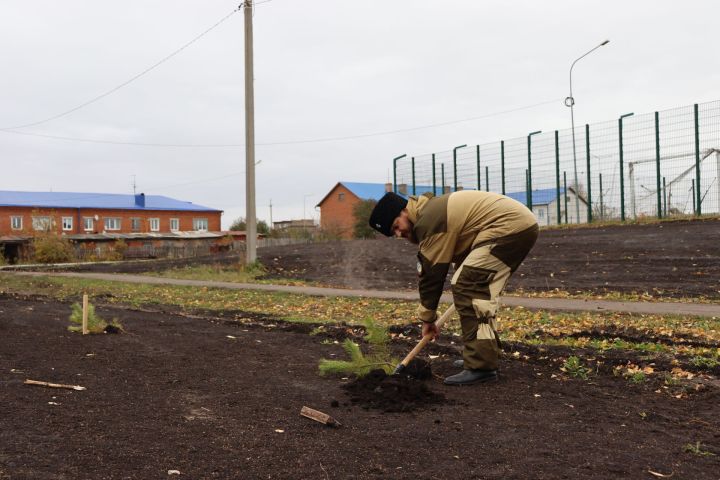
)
(220, 398)
(671, 259)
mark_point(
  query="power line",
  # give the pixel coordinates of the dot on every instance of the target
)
(127, 82)
(288, 142)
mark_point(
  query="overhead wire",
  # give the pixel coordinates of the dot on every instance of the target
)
(127, 82)
(288, 142)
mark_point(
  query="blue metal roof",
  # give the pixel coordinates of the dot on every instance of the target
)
(543, 196)
(375, 191)
(111, 201)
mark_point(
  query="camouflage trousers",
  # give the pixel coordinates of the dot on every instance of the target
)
(476, 286)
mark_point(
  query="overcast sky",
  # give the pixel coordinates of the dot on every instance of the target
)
(323, 69)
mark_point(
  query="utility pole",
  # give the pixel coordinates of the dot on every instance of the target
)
(271, 224)
(251, 223)
(134, 185)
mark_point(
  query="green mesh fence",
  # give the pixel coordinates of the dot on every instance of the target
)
(659, 164)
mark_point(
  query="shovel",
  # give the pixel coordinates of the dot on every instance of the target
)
(421, 344)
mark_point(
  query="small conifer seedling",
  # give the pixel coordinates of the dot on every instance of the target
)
(95, 323)
(360, 364)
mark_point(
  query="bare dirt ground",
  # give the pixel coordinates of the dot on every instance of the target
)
(670, 259)
(220, 398)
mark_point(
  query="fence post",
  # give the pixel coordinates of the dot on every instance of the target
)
(487, 179)
(477, 156)
(412, 162)
(664, 199)
(565, 195)
(622, 179)
(442, 177)
(692, 189)
(697, 191)
(395, 189)
(602, 206)
(502, 164)
(433, 170)
(589, 178)
(557, 178)
(529, 182)
(657, 163)
(455, 164)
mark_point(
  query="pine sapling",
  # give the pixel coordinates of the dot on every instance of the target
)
(95, 323)
(360, 364)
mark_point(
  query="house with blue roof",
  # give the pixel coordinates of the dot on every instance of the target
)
(336, 208)
(98, 216)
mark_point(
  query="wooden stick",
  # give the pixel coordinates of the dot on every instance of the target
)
(318, 416)
(421, 344)
(85, 330)
(53, 385)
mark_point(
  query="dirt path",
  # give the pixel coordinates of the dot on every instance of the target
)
(220, 398)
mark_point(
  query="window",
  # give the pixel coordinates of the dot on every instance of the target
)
(541, 213)
(16, 223)
(112, 223)
(42, 223)
(341, 196)
(88, 223)
(135, 224)
(174, 224)
(67, 223)
(200, 224)
(154, 224)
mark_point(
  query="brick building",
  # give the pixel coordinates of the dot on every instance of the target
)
(93, 217)
(24, 213)
(336, 208)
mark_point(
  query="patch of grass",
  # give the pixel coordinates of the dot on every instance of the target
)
(233, 272)
(637, 377)
(696, 449)
(287, 306)
(574, 367)
(704, 362)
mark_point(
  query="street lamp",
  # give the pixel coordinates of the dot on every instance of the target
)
(570, 102)
(455, 162)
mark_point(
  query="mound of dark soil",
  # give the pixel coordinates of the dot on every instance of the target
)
(391, 393)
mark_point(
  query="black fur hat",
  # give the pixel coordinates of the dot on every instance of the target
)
(386, 211)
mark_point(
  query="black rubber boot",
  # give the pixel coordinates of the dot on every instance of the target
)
(471, 377)
(459, 363)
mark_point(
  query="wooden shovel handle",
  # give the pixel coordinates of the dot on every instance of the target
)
(421, 344)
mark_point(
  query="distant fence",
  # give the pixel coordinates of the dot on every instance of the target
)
(657, 164)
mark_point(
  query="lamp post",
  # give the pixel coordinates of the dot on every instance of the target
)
(455, 162)
(570, 102)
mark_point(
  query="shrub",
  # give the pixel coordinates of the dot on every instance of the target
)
(361, 215)
(52, 248)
